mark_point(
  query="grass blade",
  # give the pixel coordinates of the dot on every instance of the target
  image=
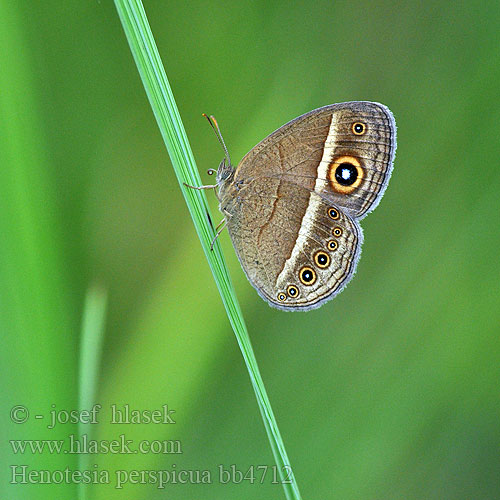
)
(92, 332)
(154, 78)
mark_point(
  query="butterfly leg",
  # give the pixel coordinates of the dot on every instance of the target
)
(223, 221)
(224, 211)
(210, 186)
(221, 225)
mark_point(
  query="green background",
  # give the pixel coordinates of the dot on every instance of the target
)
(391, 391)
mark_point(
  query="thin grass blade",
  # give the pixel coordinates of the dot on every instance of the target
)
(154, 78)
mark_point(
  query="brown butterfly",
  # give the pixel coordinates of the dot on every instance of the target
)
(292, 206)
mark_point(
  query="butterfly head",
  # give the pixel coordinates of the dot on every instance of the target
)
(225, 172)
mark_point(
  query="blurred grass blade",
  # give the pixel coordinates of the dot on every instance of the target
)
(92, 332)
(93, 318)
(143, 48)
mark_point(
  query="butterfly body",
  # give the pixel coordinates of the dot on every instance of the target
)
(293, 204)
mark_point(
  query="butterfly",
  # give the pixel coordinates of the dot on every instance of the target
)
(293, 204)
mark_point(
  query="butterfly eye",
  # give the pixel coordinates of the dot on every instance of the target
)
(333, 214)
(345, 174)
(322, 259)
(358, 128)
(281, 297)
(292, 291)
(337, 232)
(307, 275)
(332, 245)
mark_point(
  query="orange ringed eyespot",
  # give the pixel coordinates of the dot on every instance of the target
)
(333, 213)
(358, 128)
(345, 174)
(307, 275)
(322, 259)
(332, 245)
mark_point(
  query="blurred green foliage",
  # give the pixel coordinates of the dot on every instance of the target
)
(388, 392)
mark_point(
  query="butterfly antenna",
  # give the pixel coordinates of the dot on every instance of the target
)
(215, 126)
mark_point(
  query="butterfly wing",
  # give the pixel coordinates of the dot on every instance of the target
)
(343, 151)
(295, 258)
(295, 198)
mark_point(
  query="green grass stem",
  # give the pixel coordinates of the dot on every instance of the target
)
(154, 79)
